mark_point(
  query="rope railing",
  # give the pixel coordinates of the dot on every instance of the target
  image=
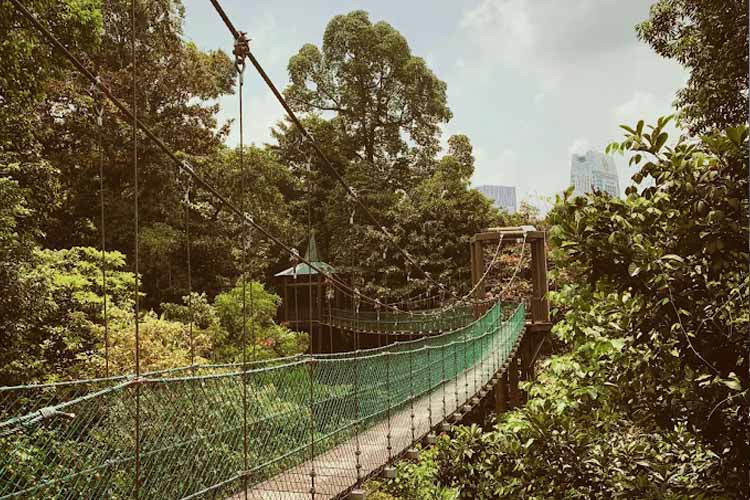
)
(75, 440)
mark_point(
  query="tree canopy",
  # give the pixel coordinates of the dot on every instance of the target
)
(710, 38)
(379, 93)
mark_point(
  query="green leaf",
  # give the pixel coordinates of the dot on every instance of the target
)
(661, 140)
(633, 270)
(732, 382)
(735, 135)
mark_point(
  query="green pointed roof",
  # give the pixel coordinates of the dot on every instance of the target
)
(311, 255)
(312, 250)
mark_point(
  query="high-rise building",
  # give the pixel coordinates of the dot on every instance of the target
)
(594, 171)
(502, 196)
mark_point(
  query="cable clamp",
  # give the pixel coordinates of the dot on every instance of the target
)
(186, 167)
(100, 115)
(49, 411)
(241, 51)
(139, 381)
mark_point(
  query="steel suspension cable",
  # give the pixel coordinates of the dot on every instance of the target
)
(465, 299)
(188, 244)
(240, 66)
(358, 450)
(134, 75)
(105, 313)
(310, 327)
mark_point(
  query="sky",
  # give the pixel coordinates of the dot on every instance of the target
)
(529, 81)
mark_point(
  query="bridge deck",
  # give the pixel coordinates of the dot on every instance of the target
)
(335, 469)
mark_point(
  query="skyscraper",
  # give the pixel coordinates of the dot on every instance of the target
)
(594, 170)
(502, 196)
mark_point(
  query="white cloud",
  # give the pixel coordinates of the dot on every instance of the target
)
(500, 28)
(632, 110)
(579, 146)
(544, 39)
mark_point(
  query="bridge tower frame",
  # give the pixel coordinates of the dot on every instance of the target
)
(540, 317)
(538, 323)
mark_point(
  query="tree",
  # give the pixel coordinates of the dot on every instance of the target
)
(528, 213)
(55, 324)
(29, 62)
(175, 79)
(271, 340)
(710, 38)
(366, 77)
(433, 223)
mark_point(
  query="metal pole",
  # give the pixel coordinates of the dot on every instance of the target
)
(429, 386)
(388, 407)
(474, 340)
(466, 367)
(311, 364)
(442, 378)
(358, 450)
(411, 453)
(134, 68)
(455, 372)
(389, 471)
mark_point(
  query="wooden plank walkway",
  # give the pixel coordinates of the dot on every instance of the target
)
(335, 469)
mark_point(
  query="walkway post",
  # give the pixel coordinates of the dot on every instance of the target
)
(474, 340)
(513, 381)
(455, 373)
(311, 402)
(465, 370)
(411, 453)
(444, 424)
(358, 450)
(389, 471)
(501, 394)
(430, 435)
(482, 350)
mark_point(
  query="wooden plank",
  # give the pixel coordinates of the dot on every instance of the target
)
(508, 236)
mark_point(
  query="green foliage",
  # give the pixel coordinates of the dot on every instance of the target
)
(651, 399)
(435, 221)
(414, 480)
(679, 248)
(376, 109)
(56, 329)
(568, 443)
(366, 74)
(710, 38)
(56, 323)
(266, 190)
(272, 340)
(29, 62)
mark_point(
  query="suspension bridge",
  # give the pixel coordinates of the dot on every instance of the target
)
(310, 426)
(313, 426)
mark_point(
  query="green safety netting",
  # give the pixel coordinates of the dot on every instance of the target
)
(434, 320)
(212, 430)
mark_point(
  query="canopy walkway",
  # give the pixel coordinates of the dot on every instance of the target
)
(308, 426)
(301, 427)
